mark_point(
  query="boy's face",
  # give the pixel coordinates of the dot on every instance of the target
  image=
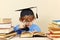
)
(27, 20)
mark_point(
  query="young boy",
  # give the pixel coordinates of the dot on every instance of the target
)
(27, 17)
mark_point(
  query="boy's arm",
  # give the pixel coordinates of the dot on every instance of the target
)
(37, 29)
(34, 28)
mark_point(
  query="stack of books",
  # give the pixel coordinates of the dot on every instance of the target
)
(54, 29)
(5, 25)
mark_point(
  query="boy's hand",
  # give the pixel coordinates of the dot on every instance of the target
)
(22, 25)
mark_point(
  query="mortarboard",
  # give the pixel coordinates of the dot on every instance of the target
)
(28, 11)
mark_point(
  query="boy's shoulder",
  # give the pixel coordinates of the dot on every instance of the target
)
(16, 26)
(34, 25)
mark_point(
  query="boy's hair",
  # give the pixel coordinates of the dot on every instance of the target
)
(26, 12)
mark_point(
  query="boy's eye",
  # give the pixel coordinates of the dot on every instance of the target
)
(27, 19)
(22, 19)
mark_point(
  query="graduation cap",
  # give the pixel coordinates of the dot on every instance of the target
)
(27, 11)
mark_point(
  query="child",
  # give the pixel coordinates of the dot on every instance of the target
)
(27, 17)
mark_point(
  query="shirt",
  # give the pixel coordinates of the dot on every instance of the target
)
(32, 28)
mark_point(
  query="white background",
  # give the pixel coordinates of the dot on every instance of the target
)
(48, 10)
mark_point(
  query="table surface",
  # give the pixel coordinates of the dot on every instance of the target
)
(35, 38)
